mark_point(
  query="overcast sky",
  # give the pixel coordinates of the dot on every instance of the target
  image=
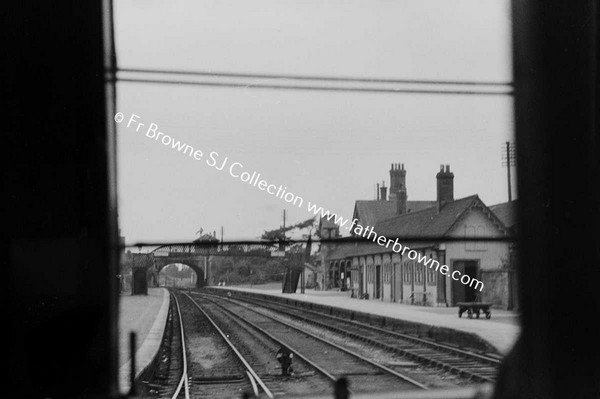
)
(328, 147)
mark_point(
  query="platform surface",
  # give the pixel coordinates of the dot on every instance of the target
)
(146, 315)
(501, 330)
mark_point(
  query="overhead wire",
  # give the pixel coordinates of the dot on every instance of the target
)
(296, 82)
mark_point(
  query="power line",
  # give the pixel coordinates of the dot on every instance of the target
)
(315, 77)
(314, 88)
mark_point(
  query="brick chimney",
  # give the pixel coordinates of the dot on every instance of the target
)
(401, 198)
(383, 192)
(445, 186)
(397, 179)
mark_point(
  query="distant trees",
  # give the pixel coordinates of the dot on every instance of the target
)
(279, 234)
(176, 275)
(240, 269)
(246, 270)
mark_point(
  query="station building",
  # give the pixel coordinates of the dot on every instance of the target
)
(374, 271)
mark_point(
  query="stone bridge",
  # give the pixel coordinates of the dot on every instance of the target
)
(196, 256)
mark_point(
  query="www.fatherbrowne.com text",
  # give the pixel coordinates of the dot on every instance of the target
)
(237, 171)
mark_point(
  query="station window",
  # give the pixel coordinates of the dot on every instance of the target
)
(419, 274)
(407, 272)
(431, 276)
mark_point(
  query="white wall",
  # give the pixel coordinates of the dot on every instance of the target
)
(488, 254)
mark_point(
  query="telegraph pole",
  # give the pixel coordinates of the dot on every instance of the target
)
(508, 160)
(284, 224)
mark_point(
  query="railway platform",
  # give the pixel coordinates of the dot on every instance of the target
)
(146, 315)
(501, 331)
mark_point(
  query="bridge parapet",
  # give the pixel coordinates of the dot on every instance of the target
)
(216, 249)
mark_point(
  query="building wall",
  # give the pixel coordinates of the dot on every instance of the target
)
(386, 273)
(496, 287)
(369, 276)
(395, 269)
(417, 279)
(413, 278)
(355, 276)
(489, 255)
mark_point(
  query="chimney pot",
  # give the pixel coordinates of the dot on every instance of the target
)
(401, 201)
(397, 180)
(445, 186)
(383, 191)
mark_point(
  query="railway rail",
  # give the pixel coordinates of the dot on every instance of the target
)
(329, 359)
(183, 381)
(169, 376)
(259, 349)
(474, 366)
(226, 379)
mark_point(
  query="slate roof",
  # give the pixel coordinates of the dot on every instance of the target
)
(372, 211)
(365, 248)
(431, 223)
(507, 213)
(415, 206)
(426, 223)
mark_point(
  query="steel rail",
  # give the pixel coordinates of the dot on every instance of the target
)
(237, 319)
(184, 375)
(341, 348)
(435, 345)
(419, 357)
(249, 368)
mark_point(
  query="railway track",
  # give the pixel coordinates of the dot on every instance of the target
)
(170, 371)
(259, 350)
(223, 372)
(474, 366)
(329, 359)
(183, 380)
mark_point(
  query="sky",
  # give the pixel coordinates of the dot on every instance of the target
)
(330, 148)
